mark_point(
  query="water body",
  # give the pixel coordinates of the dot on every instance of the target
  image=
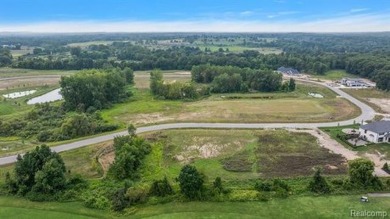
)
(316, 95)
(53, 95)
(19, 94)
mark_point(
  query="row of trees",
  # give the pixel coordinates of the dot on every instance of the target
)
(226, 79)
(90, 90)
(174, 90)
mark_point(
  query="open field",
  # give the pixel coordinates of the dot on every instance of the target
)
(377, 99)
(89, 43)
(16, 72)
(12, 207)
(23, 51)
(334, 75)
(299, 207)
(293, 207)
(142, 78)
(238, 155)
(297, 106)
(239, 49)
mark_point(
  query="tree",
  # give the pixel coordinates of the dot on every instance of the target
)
(227, 83)
(291, 85)
(39, 171)
(129, 154)
(95, 89)
(217, 185)
(51, 178)
(361, 174)
(131, 129)
(191, 182)
(156, 80)
(129, 75)
(75, 51)
(318, 184)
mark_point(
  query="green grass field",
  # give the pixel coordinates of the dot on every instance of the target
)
(334, 75)
(293, 207)
(297, 106)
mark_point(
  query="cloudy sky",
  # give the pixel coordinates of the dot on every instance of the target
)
(194, 15)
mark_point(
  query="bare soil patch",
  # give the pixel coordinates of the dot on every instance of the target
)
(384, 104)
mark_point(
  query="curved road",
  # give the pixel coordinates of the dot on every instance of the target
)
(367, 114)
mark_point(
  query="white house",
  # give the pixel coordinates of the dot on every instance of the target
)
(353, 82)
(376, 132)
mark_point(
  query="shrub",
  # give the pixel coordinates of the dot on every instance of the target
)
(161, 188)
(263, 186)
(318, 184)
(386, 168)
(191, 182)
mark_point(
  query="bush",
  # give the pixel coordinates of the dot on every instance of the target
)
(318, 184)
(191, 182)
(263, 186)
(161, 188)
(386, 168)
(264, 196)
(137, 195)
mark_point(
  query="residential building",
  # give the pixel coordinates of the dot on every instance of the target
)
(289, 71)
(375, 132)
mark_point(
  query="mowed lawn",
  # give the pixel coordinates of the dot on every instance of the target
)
(144, 109)
(335, 75)
(291, 208)
(297, 106)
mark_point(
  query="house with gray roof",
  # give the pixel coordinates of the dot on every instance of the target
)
(288, 71)
(375, 132)
(353, 82)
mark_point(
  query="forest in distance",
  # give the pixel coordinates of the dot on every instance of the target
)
(362, 54)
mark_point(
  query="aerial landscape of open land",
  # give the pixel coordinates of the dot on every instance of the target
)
(214, 115)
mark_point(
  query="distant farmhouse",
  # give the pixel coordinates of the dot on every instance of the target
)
(288, 71)
(353, 82)
(376, 132)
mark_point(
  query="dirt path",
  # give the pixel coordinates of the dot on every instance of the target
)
(327, 142)
(379, 195)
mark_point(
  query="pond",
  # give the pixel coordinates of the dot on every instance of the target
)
(19, 94)
(316, 95)
(53, 95)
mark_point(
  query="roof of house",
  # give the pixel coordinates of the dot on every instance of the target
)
(288, 70)
(377, 127)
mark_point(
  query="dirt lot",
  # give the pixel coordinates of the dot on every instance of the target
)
(28, 82)
(384, 104)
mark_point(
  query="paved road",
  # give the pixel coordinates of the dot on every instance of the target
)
(367, 114)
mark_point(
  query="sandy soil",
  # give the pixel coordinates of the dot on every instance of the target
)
(28, 82)
(384, 104)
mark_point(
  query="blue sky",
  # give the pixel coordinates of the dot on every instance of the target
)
(194, 15)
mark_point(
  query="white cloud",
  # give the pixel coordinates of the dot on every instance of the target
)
(247, 13)
(351, 23)
(356, 10)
